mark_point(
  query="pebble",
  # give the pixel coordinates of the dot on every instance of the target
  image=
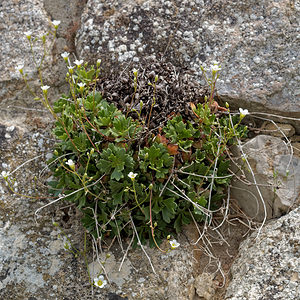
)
(10, 128)
(141, 280)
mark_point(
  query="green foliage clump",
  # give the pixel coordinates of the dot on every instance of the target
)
(120, 175)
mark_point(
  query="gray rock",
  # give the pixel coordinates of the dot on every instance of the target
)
(205, 287)
(256, 43)
(268, 267)
(296, 148)
(17, 18)
(270, 159)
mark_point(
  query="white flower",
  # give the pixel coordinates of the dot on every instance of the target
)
(71, 68)
(100, 281)
(132, 175)
(71, 164)
(78, 62)
(243, 112)
(81, 85)
(55, 23)
(174, 244)
(28, 33)
(4, 174)
(215, 68)
(45, 88)
(20, 68)
(135, 71)
(65, 55)
(244, 156)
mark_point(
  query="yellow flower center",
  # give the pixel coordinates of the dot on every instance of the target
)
(99, 282)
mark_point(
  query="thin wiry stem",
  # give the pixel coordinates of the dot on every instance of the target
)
(140, 244)
(65, 196)
(98, 258)
(55, 160)
(126, 252)
(184, 196)
(254, 179)
(26, 162)
(226, 210)
(273, 115)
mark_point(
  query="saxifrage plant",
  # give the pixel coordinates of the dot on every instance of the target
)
(124, 173)
(127, 179)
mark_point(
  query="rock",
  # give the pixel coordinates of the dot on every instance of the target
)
(270, 160)
(272, 129)
(205, 287)
(119, 277)
(19, 17)
(260, 64)
(296, 148)
(295, 138)
(268, 266)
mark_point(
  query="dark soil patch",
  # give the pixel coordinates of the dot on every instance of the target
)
(175, 89)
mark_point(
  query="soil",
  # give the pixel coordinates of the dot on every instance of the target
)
(174, 91)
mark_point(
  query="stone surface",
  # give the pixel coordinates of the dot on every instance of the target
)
(268, 267)
(296, 148)
(270, 159)
(275, 130)
(256, 43)
(205, 287)
(17, 17)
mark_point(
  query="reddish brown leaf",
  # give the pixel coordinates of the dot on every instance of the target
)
(162, 139)
(186, 156)
(172, 149)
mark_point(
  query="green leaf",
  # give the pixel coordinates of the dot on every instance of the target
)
(170, 204)
(223, 167)
(115, 160)
(178, 223)
(104, 166)
(116, 175)
(147, 213)
(81, 142)
(82, 201)
(156, 208)
(167, 215)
